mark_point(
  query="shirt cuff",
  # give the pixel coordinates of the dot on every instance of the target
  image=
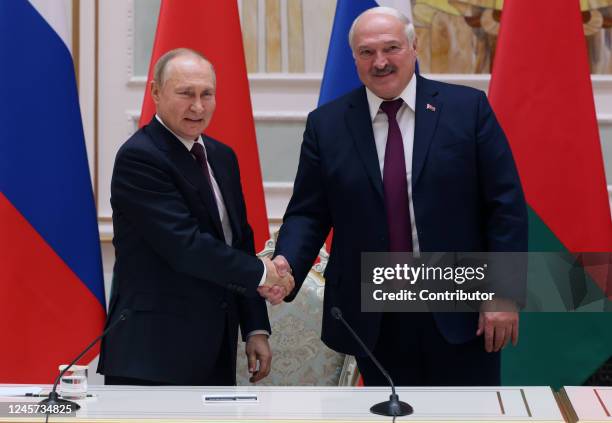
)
(258, 332)
(264, 275)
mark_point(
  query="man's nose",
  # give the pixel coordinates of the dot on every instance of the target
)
(380, 60)
(197, 105)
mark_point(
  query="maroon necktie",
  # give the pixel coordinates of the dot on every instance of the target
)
(395, 183)
(198, 151)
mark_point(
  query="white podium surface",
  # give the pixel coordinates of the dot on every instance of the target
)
(310, 404)
(589, 403)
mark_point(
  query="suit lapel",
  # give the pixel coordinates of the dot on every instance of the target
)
(221, 170)
(189, 168)
(360, 125)
(427, 111)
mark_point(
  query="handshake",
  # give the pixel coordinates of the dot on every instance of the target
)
(279, 281)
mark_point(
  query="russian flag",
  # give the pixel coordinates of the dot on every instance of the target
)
(51, 287)
(340, 74)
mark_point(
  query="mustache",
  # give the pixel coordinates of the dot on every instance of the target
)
(384, 71)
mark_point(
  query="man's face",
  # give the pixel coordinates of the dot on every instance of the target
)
(186, 99)
(383, 56)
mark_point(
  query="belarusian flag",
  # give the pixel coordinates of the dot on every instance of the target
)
(542, 95)
(213, 29)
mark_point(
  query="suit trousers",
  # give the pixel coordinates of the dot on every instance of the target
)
(414, 352)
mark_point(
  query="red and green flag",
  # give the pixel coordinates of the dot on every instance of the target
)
(542, 95)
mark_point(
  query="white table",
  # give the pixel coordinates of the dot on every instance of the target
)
(311, 404)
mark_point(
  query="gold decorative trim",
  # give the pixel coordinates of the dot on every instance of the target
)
(96, 100)
(295, 21)
(273, 36)
(186, 420)
(76, 35)
(250, 14)
(526, 403)
(565, 406)
(601, 402)
(501, 403)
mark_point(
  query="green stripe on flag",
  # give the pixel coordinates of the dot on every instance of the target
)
(556, 349)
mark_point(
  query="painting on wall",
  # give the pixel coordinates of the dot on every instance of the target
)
(459, 36)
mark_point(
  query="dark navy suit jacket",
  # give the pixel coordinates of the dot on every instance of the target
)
(187, 289)
(465, 190)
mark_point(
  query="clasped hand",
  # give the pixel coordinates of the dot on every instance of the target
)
(279, 281)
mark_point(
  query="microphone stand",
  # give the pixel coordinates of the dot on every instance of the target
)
(394, 407)
(54, 398)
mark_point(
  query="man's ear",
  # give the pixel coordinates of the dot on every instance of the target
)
(155, 91)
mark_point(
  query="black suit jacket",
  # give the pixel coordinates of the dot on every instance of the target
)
(465, 190)
(187, 289)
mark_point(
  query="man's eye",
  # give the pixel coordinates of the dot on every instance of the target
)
(365, 53)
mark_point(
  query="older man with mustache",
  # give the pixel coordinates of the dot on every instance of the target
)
(400, 164)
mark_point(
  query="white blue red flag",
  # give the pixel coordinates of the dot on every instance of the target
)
(51, 287)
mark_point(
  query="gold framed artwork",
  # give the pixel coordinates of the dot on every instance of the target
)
(460, 36)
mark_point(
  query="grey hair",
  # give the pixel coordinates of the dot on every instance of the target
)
(382, 10)
(162, 63)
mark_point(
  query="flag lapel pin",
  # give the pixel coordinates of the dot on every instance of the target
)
(430, 107)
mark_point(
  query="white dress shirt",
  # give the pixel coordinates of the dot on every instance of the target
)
(405, 119)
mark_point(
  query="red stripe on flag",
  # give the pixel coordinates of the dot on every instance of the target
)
(47, 315)
(541, 92)
(213, 29)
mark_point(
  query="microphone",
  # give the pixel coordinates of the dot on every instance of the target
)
(54, 398)
(394, 407)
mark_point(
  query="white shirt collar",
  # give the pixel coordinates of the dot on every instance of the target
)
(186, 142)
(408, 95)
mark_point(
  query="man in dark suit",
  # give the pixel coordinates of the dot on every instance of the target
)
(405, 164)
(185, 263)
